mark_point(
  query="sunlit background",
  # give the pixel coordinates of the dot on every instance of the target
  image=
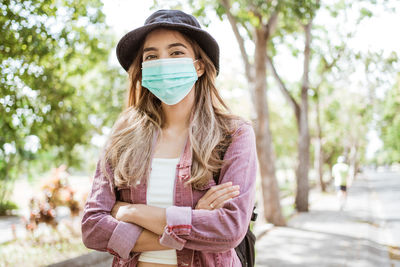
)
(61, 89)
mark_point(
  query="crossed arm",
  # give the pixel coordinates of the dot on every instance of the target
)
(120, 228)
(153, 219)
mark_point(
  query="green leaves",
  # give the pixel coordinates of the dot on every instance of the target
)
(390, 125)
(47, 49)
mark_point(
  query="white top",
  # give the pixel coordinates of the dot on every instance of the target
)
(340, 171)
(160, 194)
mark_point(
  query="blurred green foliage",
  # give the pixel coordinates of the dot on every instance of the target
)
(56, 88)
(7, 207)
(390, 126)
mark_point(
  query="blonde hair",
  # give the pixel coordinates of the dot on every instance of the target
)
(128, 148)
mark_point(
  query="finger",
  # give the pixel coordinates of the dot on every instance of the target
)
(202, 205)
(220, 205)
(215, 188)
(225, 191)
(220, 201)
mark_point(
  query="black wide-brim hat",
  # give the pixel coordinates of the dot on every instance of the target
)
(129, 45)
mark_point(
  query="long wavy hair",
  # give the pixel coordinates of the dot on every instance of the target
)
(127, 151)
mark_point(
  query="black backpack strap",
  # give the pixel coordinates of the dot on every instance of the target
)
(254, 215)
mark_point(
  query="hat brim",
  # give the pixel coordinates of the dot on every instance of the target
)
(129, 44)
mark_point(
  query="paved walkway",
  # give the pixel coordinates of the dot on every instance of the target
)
(92, 259)
(326, 236)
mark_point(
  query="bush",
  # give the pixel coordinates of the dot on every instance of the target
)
(7, 207)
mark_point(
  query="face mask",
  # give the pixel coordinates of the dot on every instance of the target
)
(169, 79)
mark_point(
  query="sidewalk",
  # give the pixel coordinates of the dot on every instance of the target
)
(326, 236)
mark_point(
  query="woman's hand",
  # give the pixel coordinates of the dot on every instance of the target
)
(217, 195)
(121, 210)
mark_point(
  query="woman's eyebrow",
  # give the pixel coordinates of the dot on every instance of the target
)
(169, 46)
(177, 44)
(150, 49)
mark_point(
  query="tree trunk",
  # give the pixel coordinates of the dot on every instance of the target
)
(318, 163)
(319, 157)
(257, 79)
(265, 152)
(301, 201)
(303, 164)
(353, 162)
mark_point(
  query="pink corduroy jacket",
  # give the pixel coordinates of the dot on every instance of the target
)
(201, 237)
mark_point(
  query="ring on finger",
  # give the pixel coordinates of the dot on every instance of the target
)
(211, 205)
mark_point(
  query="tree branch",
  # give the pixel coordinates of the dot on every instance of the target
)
(249, 33)
(306, 63)
(284, 90)
(328, 66)
(271, 25)
(307, 53)
(239, 38)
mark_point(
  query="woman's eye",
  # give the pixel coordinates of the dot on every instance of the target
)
(149, 57)
(176, 53)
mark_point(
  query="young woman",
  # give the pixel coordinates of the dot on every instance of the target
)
(154, 200)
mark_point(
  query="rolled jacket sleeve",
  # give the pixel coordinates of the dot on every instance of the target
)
(101, 231)
(224, 228)
(178, 224)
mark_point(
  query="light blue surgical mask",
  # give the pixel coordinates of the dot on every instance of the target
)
(169, 79)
